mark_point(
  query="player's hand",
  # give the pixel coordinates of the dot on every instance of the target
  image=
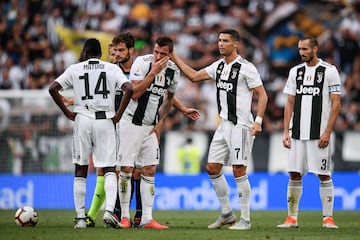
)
(71, 116)
(159, 65)
(324, 140)
(192, 113)
(157, 130)
(115, 119)
(286, 140)
(256, 129)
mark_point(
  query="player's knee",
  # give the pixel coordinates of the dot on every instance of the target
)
(324, 177)
(295, 176)
(81, 171)
(213, 168)
(239, 170)
(149, 171)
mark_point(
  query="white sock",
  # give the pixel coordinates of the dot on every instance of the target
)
(125, 193)
(79, 196)
(222, 191)
(243, 188)
(147, 191)
(327, 197)
(294, 193)
(110, 188)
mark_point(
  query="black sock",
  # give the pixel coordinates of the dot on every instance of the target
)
(138, 199)
(117, 209)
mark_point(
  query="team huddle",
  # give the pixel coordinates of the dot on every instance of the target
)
(120, 107)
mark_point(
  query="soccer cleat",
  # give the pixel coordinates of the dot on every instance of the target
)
(80, 223)
(223, 219)
(154, 224)
(89, 222)
(125, 223)
(241, 225)
(111, 220)
(290, 222)
(328, 222)
(136, 222)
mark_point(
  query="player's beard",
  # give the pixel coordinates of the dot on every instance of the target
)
(127, 58)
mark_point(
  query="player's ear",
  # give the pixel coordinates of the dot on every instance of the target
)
(131, 50)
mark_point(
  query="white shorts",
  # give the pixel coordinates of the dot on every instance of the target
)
(96, 136)
(231, 145)
(137, 147)
(306, 156)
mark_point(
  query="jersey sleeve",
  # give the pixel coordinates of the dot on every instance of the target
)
(120, 76)
(138, 69)
(253, 78)
(290, 87)
(334, 81)
(211, 69)
(174, 84)
(65, 79)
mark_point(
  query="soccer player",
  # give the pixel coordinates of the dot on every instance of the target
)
(155, 79)
(94, 83)
(99, 193)
(313, 105)
(123, 48)
(236, 81)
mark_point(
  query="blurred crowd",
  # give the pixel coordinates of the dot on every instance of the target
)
(32, 54)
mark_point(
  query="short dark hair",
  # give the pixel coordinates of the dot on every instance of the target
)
(234, 34)
(126, 38)
(313, 41)
(163, 41)
(91, 49)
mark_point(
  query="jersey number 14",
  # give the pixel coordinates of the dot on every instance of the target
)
(101, 86)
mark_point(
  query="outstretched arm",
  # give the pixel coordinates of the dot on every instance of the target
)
(190, 73)
(191, 113)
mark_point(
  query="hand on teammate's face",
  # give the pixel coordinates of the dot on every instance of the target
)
(160, 64)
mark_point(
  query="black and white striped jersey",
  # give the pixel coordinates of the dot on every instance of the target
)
(144, 111)
(234, 84)
(311, 86)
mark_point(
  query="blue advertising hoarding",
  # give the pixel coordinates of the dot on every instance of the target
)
(180, 192)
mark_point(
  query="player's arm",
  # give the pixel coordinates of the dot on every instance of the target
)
(54, 89)
(164, 113)
(67, 101)
(127, 88)
(191, 113)
(334, 113)
(288, 111)
(190, 73)
(261, 107)
(140, 86)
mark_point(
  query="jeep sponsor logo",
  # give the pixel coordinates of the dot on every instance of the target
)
(156, 90)
(315, 91)
(227, 86)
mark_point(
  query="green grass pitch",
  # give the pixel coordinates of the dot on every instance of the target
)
(58, 224)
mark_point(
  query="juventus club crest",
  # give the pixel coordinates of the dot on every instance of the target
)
(234, 73)
(300, 76)
(320, 76)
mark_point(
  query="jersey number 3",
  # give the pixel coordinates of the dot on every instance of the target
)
(101, 87)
